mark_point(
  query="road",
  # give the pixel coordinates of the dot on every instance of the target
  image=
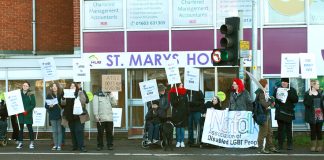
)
(132, 150)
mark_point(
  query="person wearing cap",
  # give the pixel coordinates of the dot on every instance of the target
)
(285, 98)
(240, 99)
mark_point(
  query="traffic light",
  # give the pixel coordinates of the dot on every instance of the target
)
(230, 43)
(219, 57)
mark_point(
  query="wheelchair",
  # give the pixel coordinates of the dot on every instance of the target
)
(145, 141)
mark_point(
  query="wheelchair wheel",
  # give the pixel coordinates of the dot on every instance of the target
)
(4, 143)
(145, 145)
(162, 144)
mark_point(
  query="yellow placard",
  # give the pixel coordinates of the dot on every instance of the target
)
(244, 45)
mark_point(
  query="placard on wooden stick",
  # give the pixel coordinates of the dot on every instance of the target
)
(111, 83)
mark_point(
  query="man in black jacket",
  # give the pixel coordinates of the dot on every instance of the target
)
(285, 98)
(196, 106)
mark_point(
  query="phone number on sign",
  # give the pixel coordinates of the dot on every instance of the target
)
(147, 23)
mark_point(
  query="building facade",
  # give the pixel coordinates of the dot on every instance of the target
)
(134, 38)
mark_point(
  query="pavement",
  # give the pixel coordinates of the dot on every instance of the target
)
(133, 146)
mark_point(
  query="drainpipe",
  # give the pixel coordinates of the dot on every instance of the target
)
(34, 27)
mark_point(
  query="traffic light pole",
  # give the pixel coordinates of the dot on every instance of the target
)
(254, 46)
(241, 67)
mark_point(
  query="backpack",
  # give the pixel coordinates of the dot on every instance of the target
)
(259, 115)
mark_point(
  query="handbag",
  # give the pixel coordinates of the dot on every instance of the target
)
(84, 117)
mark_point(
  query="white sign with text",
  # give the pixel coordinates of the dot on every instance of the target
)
(172, 72)
(48, 68)
(14, 102)
(289, 65)
(39, 116)
(231, 129)
(81, 70)
(308, 65)
(149, 90)
(191, 78)
(117, 116)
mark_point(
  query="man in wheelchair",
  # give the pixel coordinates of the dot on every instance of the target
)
(154, 118)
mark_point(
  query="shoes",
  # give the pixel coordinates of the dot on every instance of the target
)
(148, 142)
(262, 151)
(182, 144)
(274, 150)
(99, 148)
(83, 150)
(54, 148)
(289, 147)
(31, 145)
(178, 144)
(155, 141)
(110, 148)
(20, 145)
(58, 148)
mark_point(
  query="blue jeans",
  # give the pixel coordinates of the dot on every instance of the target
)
(153, 131)
(77, 131)
(193, 120)
(180, 134)
(3, 129)
(57, 132)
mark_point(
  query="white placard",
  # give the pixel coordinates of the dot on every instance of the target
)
(289, 65)
(172, 71)
(147, 14)
(192, 13)
(39, 116)
(232, 129)
(191, 78)
(81, 70)
(273, 120)
(48, 68)
(69, 93)
(103, 14)
(282, 94)
(53, 101)
(14, 102)
(308, 65)
(117, 116)
(149, 90)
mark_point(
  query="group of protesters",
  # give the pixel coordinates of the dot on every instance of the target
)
(188, 110)
(61, 115)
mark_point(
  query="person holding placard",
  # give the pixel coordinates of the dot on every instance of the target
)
(285, 97)
(195, 106)
(3, 120)
(313, 101)
(52, 104)
(265, 130)
(179, 101)
(76, 127)
(240, 99)
(102, 111)
(26, 117)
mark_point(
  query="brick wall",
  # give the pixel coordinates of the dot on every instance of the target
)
(15, 25)
(54, 25)
(76, 22)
